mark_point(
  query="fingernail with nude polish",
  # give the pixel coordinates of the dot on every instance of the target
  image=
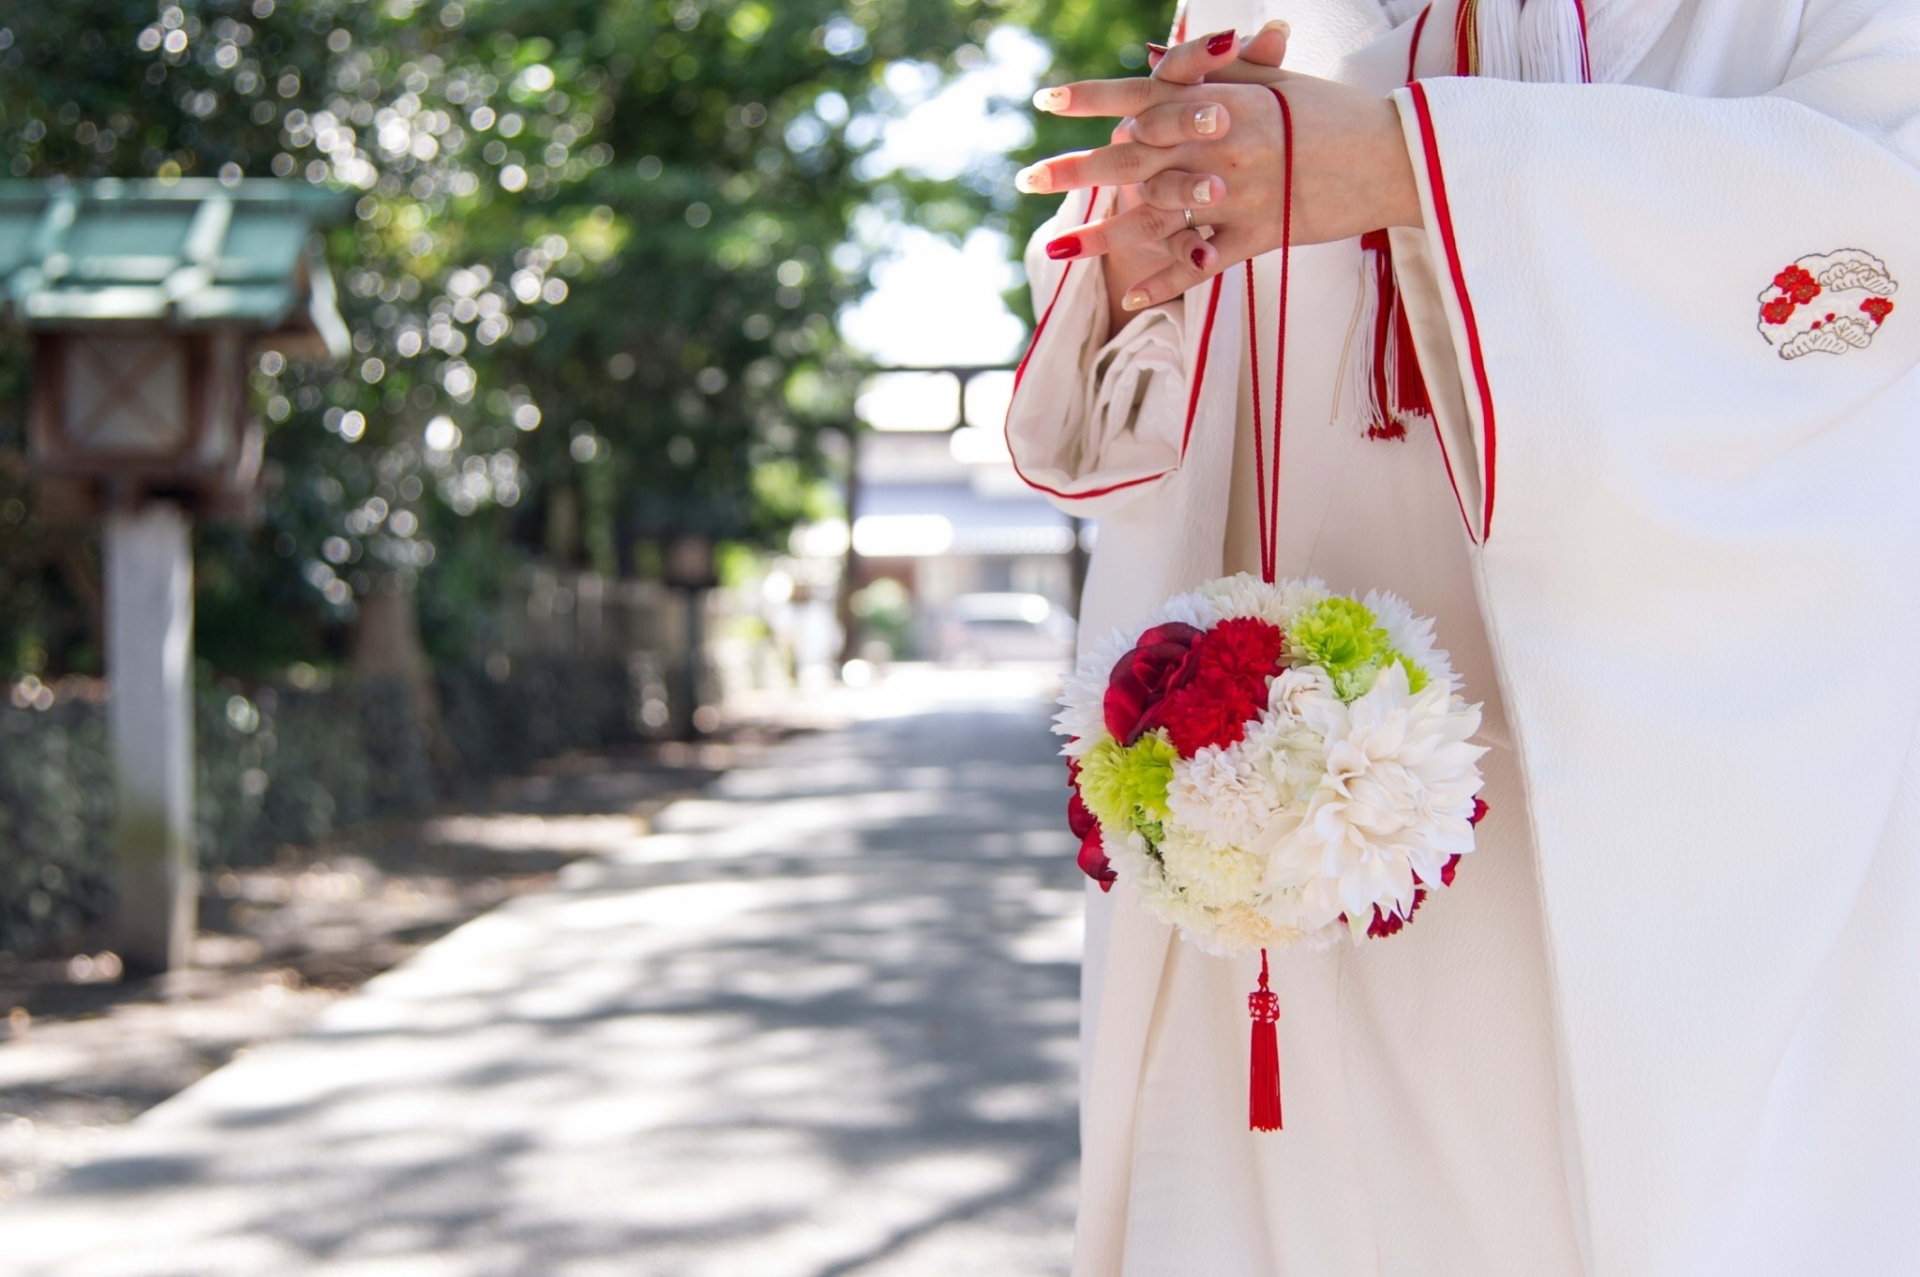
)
(1051, 99)
(1220, 43)
(1032, 180)
(1064, 247)
(1206, 120)
(1199, 258)
(1279, 26)
(1135, 300)
(1202, 192)
(1156, 49)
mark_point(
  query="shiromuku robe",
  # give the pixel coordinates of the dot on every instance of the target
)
(1667, 1023)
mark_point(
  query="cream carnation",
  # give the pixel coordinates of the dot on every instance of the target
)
(1207, 872)
(1224, 795)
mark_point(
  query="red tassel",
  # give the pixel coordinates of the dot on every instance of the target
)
(1410, 396)
(1263, 1090)
(1396, 389)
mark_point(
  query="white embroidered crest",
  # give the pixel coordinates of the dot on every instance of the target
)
(1832, 302)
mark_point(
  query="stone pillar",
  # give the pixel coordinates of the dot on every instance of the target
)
(149, 589)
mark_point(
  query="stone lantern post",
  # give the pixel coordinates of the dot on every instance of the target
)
(146, 304)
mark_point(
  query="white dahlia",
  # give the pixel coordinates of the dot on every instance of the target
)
(1396, 801)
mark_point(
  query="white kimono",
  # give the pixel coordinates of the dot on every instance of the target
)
(1667, 1023)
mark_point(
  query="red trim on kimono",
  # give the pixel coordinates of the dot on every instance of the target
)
(1443, 213)
(1413, 52)
(1193, 396)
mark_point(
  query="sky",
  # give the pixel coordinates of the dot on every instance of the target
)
(934, 302)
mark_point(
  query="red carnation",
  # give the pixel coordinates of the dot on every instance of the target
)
(1093, 855)
(1079, 819)
(1229, 688)
(1093, 861)
(1211, 710)
(1244, 648)
(1162, 661)
(1878, 308)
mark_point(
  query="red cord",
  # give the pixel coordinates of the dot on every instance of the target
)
(1267, 478)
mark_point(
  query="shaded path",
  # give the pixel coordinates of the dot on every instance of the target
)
(821, 1024)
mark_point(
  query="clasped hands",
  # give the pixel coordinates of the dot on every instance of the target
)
(1203, 134)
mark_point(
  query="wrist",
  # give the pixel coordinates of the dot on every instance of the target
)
(1398, 195)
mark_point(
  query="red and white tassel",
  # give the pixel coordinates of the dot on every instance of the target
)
(1263, 1076)
(1553, 42)
(1395, 393)
(1540, 41)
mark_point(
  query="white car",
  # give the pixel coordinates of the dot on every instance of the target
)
(1005, 627)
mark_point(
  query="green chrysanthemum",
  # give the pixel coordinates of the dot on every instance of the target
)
(1346, 640)
(1125, 786)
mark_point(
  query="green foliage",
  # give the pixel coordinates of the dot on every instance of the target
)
(275, 765)
(594, 244)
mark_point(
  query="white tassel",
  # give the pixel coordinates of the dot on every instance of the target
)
(1552, 42)
(1497, 31)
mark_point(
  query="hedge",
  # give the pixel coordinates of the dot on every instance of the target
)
(277, 765)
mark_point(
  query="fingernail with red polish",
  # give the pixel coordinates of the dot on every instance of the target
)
(1064, 247)
(1156, 48)
(1199, 258)
(1221, 43)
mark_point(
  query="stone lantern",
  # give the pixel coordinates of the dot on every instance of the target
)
(146, 304)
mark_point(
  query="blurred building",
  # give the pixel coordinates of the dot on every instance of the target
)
(970, 550)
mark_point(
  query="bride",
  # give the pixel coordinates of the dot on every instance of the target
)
(1551, 369)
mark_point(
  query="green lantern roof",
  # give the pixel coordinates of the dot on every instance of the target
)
(193, 253)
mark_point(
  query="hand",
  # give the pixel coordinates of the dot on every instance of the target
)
(1352, 173)
(1215, 57)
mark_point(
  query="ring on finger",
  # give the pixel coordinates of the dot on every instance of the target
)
(1188, 214)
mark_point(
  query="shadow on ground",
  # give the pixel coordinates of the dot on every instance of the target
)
(821, 1023)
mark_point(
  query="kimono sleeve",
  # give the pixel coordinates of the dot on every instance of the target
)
(1097, 422)
(1673, 345)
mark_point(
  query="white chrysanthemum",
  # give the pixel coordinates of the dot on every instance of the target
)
(1247, 595)
(1193, 609)
(1082, 718)
(1128, 856)
(1207, 872)
(1411, 636)
(1396, 801)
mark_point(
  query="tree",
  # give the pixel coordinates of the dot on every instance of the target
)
(590, 274)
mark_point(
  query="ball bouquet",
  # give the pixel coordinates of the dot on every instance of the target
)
(1271, 764)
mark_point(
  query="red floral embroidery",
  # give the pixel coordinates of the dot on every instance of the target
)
(1878, 308)
(1798, 283)
(1777, 311)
